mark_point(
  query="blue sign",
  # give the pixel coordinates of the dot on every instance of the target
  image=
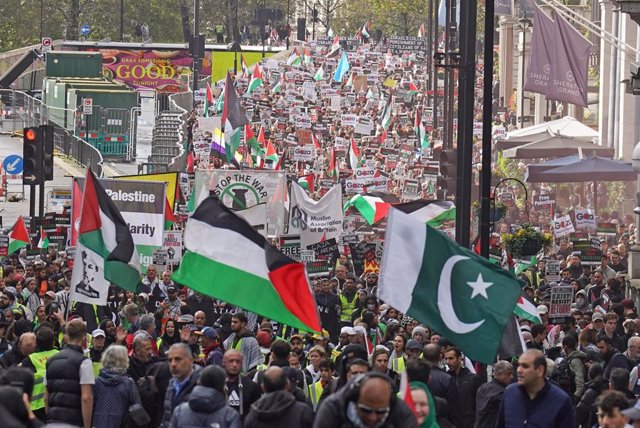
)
(13, 164)
(85, 30)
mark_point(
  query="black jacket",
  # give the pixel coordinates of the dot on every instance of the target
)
(467, 385)
(205, 305)
(488, 401)
(206, 407)
(333, 412)
(11, 358)
(279, 409)
(63, 386)
(171, 400)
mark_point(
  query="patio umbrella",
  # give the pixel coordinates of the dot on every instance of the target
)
(588, 169)
(531, 174)
(567, 126)
(557, 145)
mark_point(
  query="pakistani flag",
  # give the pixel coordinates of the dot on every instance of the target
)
(43, 242)
(105, 252)
(385, 118)
(233, 118)
(19, 236)
(429, 277)
(319, 74)
(227, 259)
(256, 79)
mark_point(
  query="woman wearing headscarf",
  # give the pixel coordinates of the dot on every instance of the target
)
(424, 404)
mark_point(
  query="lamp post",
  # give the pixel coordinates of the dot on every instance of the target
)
(236, 37)
(122, 20)
(263, 24)
(634, 251)
(524, 24)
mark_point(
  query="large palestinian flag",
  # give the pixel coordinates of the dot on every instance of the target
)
(227, 259)
(105, 252)
(372, 206)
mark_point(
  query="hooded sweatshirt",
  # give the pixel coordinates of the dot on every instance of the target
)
(205, 408)
(279, 409)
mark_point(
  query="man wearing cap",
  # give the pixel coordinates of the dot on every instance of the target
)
(413, 349)
(172, 303)
(211, 346)
(244, 341)
(97, 347)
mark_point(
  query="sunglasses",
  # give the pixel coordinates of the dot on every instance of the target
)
(369, 410)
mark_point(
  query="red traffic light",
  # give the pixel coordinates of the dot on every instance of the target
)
(30, 134)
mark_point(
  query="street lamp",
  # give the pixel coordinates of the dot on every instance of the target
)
(524, 24)
(635, 162)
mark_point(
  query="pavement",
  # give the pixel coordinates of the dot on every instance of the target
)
(64, 169)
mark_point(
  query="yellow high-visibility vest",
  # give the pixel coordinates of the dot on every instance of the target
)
(39, 361)
(315, 392)
(347, 307)
(398, 365)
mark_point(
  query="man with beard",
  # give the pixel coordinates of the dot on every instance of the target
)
(244, 341)
(241, 391)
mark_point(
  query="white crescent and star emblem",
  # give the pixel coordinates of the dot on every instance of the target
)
(445, 300)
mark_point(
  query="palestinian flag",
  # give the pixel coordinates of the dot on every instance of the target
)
(370, 95)
(527, 310)
(349, 80)
(19, 236)
(385, 118)
(250, 139)
(208, 101)
(306, 53)
(421, 133)
(422, 31)
(432, 212)
(233, 118)
(307, 182)
(169, 217)
(294, 58)
(245, 70)
(413, 89)
(191, 204)
(335, 48)
(277, 87)
(315, 142)
(43, 242)
(365, 31)
(271, 154)
(256, 79)
(333, 164)
(319, 74)
(354, 155)
(228, 260)
(372, 206)
(219, 107)
(281, 161)
(105, 252)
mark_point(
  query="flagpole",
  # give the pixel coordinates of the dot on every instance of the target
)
(487, 114)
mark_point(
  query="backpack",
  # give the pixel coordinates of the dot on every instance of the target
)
(564, 377)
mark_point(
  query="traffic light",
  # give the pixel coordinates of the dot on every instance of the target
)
(447, 180)
(47, 154)
(31, 153)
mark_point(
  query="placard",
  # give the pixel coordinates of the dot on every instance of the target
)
(585, 219)
(303, 153)
(552, 270)
(560, 303)
(349, 119)
(563, 226)
(544, 200)
(606, 229)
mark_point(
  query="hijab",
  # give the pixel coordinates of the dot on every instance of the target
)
(430, 420)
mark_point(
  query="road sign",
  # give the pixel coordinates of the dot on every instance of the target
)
(87, 106)
(13, 164)
(85, 30)
(46, 44)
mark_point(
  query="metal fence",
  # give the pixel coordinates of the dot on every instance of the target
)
(19, 110)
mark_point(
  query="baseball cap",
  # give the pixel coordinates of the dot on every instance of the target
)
(597, 316)
(632, 412)
(266, 326)
(208, 332)
(542, 309)
(171, 289)
(413, 344)
(296, 336)
(50, 294)
(98, 332)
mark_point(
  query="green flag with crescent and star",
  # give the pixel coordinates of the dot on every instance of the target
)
(457, 293)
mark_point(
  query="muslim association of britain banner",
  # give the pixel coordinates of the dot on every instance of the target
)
(315, 221)
(240, 190)
(142, 205)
